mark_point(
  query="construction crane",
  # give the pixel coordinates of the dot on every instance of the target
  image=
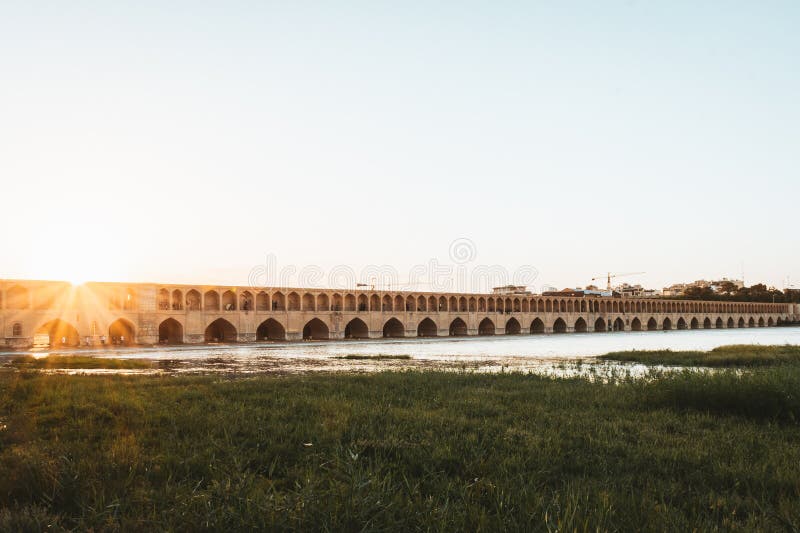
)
(610, 275)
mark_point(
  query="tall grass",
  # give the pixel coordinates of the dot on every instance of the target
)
(77, 361)
(723, 356)
(401, 451)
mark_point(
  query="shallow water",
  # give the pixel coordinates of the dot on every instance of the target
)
(564, 354)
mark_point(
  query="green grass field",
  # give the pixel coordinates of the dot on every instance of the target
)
(401, 451)
(744, 355)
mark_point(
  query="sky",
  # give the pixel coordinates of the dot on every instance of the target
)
(214, 142)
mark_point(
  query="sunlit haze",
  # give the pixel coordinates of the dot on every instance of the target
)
(189, 142)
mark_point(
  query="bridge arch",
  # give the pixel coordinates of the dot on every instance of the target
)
(636, 324)
(761, 322)
(619, 325)
(719, 324)
(427, 328)
(652, 325)
(681, 323)
(59, 333)
(458, 328)
(356, 329)
(559, 326)
(513, 327)
(741, 323)
(600, 325)
(220, 330)
(394, 329)
(667, 324)
(751, 323)
(770, 322)
(537, 326)
(707, 323)
(271, 330)
(122, 332)
(486, 327)
(315, 329)
(580, 325)
(170, 331)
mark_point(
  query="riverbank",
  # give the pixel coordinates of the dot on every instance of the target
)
(401, 450)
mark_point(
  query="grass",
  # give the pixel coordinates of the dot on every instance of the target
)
(401, 451)
(740, 355)
(78, 362)
(380, 357)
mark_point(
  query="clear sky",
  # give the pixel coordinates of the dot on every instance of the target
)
(187, 141)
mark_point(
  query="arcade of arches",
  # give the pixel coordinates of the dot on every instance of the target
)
(57, 314)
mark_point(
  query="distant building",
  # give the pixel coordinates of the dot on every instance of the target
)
(511, 289)
(634, 291)
(679, 289)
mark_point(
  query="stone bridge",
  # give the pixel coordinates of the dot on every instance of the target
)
(58, 313)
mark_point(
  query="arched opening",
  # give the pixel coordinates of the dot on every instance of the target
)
(309, 302)
(770, 322)
(741, 323)
(262, 301)
(751, 323)
(421, 304)
(486, 327)
(667, 325)
(600, 325)
(652, 325)
(580, 325)
(719, 323)
(731, 323)
(293, 301)
(246, 301)
(323, 302)
(270, 330)
(458, 328)
(163, 300)
(707, 323)
(193, 300)
(349, 302)
(211, 301)
(16, 329)
(121, 332)
(356, 329)
(394, 329)
(220, 330)
(278, 301)
(513, 327)
(387, 303)
(537, 326)
(315, 329)
(681, 323)
(54, 333)
(374, 303)
(177, 300)
(559, 326)
(636, 325)
(229, 300)
(338, 302)
(619, 325)
(170, 331)
(761, 322)
(427, 328)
